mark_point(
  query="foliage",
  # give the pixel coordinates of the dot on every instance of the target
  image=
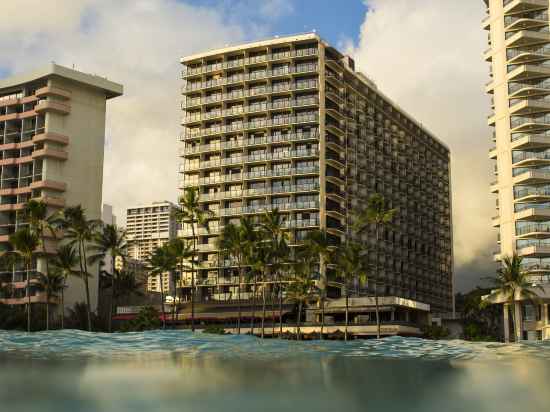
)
(435, 332)
(480, 322)
(146, 319)
(215, 330)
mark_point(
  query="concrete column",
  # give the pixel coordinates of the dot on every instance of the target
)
(506, 322)
(545, 314)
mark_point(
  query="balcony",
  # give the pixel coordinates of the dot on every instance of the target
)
(210, 68)
(50, 137)
(495, 221)
(242, 126)
(531, 177)
(529, 124)
(534, 251)
(244, 77)
(527, 38)
(50, 153)
(486, 23)
(526, 159)
(526, 21)
(531, 194)
(518, 90)
(528, 72)
(493, 153)
(494, 188)
(491, 120)
(533, 230)
(255, 108)
(533, 214)
(53, 91)
(525, 55)
(521, 6)
(488, 54)
(52, 106)
(531, 142)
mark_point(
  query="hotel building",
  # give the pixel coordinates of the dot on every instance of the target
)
(289, 123)
(519, 59)
(52, 136)
(148, 227)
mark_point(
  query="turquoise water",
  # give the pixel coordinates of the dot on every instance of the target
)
(164, 371)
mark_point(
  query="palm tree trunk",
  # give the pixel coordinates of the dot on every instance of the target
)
(263, 311)
(162, 302)
(253, 301)
(193, 276)
(298, 318)
(239, 300)
(84, 269)
(47, 308)
(280, 291)
(63, 305)
(113, 291)
(28, 297)
(376, 287)
(322, 315)
(347, 317)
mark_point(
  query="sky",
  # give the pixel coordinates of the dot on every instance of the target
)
(425, 54)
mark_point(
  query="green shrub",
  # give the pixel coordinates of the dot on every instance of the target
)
(146, 319)
(214, 329)
(435, 332)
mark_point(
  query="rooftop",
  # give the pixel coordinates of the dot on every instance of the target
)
(111, 89)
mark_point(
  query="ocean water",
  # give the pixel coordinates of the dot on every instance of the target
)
(165, 371)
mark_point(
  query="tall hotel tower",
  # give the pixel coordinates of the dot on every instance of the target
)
(519, 56)
(52, 135)
(288, 123)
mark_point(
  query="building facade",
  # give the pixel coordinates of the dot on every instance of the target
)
(519, 56)
(289, 123)
(148, 227)
(52, 132)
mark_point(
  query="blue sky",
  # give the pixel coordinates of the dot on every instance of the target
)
(335, 20)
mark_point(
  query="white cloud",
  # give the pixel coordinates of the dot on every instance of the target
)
(137, 43)
(427, 56)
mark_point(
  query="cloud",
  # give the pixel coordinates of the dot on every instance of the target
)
(134, 42)
(427, 56)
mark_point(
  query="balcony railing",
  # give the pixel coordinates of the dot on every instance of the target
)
(262, 208)
(514, 87)
(259, 107)
(519, 193)
(520, 156)
(278, 138)
(517, 121)
(191, 71)
(264, 74)
(258, 124)
(256, 91)
(531, 228)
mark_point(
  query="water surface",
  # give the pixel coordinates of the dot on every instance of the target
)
(165, 371)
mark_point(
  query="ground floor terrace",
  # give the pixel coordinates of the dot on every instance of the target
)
(398, 316)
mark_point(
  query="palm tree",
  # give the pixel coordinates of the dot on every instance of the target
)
(302, 287)
(42, 224)
(181, 252)
(350, 264)
(273, 224)
(260, 262)
(52, 284)
(316, 246)
(109, 241)
(513, 285)
(379, 215)
(191, 213)
(238, 242)
(25, 243)
(127, 284)
(81, 231)
(65, 260)
(160, 262)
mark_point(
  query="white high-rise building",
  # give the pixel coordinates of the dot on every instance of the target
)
(150, 226)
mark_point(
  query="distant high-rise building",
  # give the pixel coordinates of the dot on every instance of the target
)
(289, 123)
(519, 57)
(148, 227)
(52, 137)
